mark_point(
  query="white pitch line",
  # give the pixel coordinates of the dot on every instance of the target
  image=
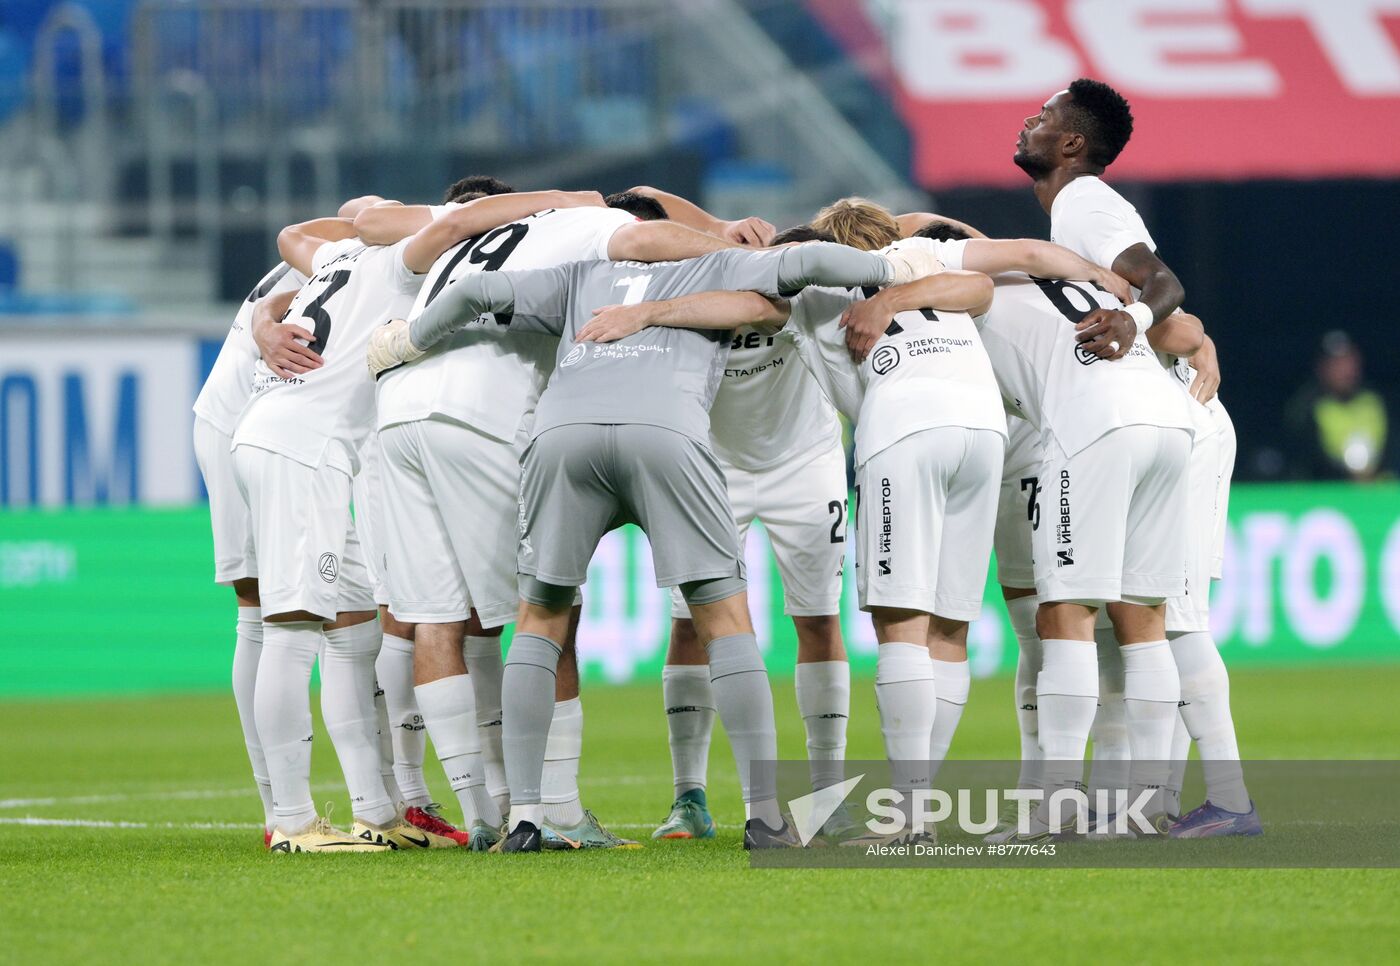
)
(195, 794)
(99, 823)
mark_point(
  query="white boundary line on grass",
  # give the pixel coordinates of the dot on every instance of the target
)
(40, 821)
(195, 794)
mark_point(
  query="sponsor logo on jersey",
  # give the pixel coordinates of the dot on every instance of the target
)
(328, 567)
(575, 355)
(886, 357)
(1083, 356)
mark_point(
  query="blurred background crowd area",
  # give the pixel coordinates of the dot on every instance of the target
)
(150, 150)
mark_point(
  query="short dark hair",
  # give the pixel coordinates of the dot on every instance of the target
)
(801, 233)
(940, 230)
(479, 185)
(644, 207)
(1102, 115)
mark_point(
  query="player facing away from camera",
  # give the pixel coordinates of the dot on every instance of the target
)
(453, 425)
(220, 401)
(621, 434)
(1077, 134)
(288, 359)
(469, 750)
(295, 452)
(778, 443)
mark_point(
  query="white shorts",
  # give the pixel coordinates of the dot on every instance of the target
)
(451, 502)
(367, 491)
(1208, 492)
(1018, 506)
(802, 505)
(309, 556)
(925, 510)
(1111, 518)
(234, 555)
(1222, 497)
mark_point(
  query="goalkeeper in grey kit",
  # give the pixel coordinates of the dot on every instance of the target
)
(621, 435)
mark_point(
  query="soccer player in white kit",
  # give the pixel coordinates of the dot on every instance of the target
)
(216, 409)
(296, 450)
(1076, 135)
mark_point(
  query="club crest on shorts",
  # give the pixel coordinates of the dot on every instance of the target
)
(328, 567)
(576, 354)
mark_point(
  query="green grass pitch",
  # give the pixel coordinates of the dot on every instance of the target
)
(181, 875)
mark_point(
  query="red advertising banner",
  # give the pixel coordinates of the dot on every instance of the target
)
(1220, 89)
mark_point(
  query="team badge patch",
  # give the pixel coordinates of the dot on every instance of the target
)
(886, 358)
(328, 567)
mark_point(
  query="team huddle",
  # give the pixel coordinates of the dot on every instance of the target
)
(425, 419)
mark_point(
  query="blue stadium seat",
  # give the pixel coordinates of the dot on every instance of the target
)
(9, 267)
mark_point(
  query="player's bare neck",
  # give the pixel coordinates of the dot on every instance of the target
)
(1053, 182)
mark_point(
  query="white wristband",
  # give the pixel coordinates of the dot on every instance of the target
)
(1142, 315)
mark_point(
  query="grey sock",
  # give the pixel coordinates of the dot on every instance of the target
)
(745, 705)
(527, 708)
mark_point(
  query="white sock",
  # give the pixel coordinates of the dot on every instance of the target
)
(562, 750)
(1205, 708)
(1067, 692)
(952, 680)
(908, 700)
(690, 718)
(347, 706)
(824, 701)
(1151, 690)
(1112, 755)
(486, 667)
(766, 811)
(394, 669)
(448, 706)
(247, 649)
(282, 708)
(1181, 751)
(1022, 610)
(386, 744)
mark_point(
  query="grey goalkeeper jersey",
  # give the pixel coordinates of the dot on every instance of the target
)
(660, 376)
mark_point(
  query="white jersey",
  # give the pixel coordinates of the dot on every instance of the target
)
(485, 375)
(226, 391)
(928, 370)
(768, 409)
(1096, 222)
(327, 413)
(1048, 378)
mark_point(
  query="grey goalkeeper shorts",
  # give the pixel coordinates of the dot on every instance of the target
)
(580, 481)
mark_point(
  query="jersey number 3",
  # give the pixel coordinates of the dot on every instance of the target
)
(316, 311)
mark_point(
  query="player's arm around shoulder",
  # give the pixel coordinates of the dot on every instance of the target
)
(703, 310)
(1042, 259)
(298, 244)
(953, 290)
(483, 215)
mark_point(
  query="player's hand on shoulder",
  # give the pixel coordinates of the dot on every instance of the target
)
(912, 259)
(865, 322)
(750, 232)
(390, 346)
(613, 322)
(1207, 365)
(285, 348)
(1107, 333)
(1115, 284)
